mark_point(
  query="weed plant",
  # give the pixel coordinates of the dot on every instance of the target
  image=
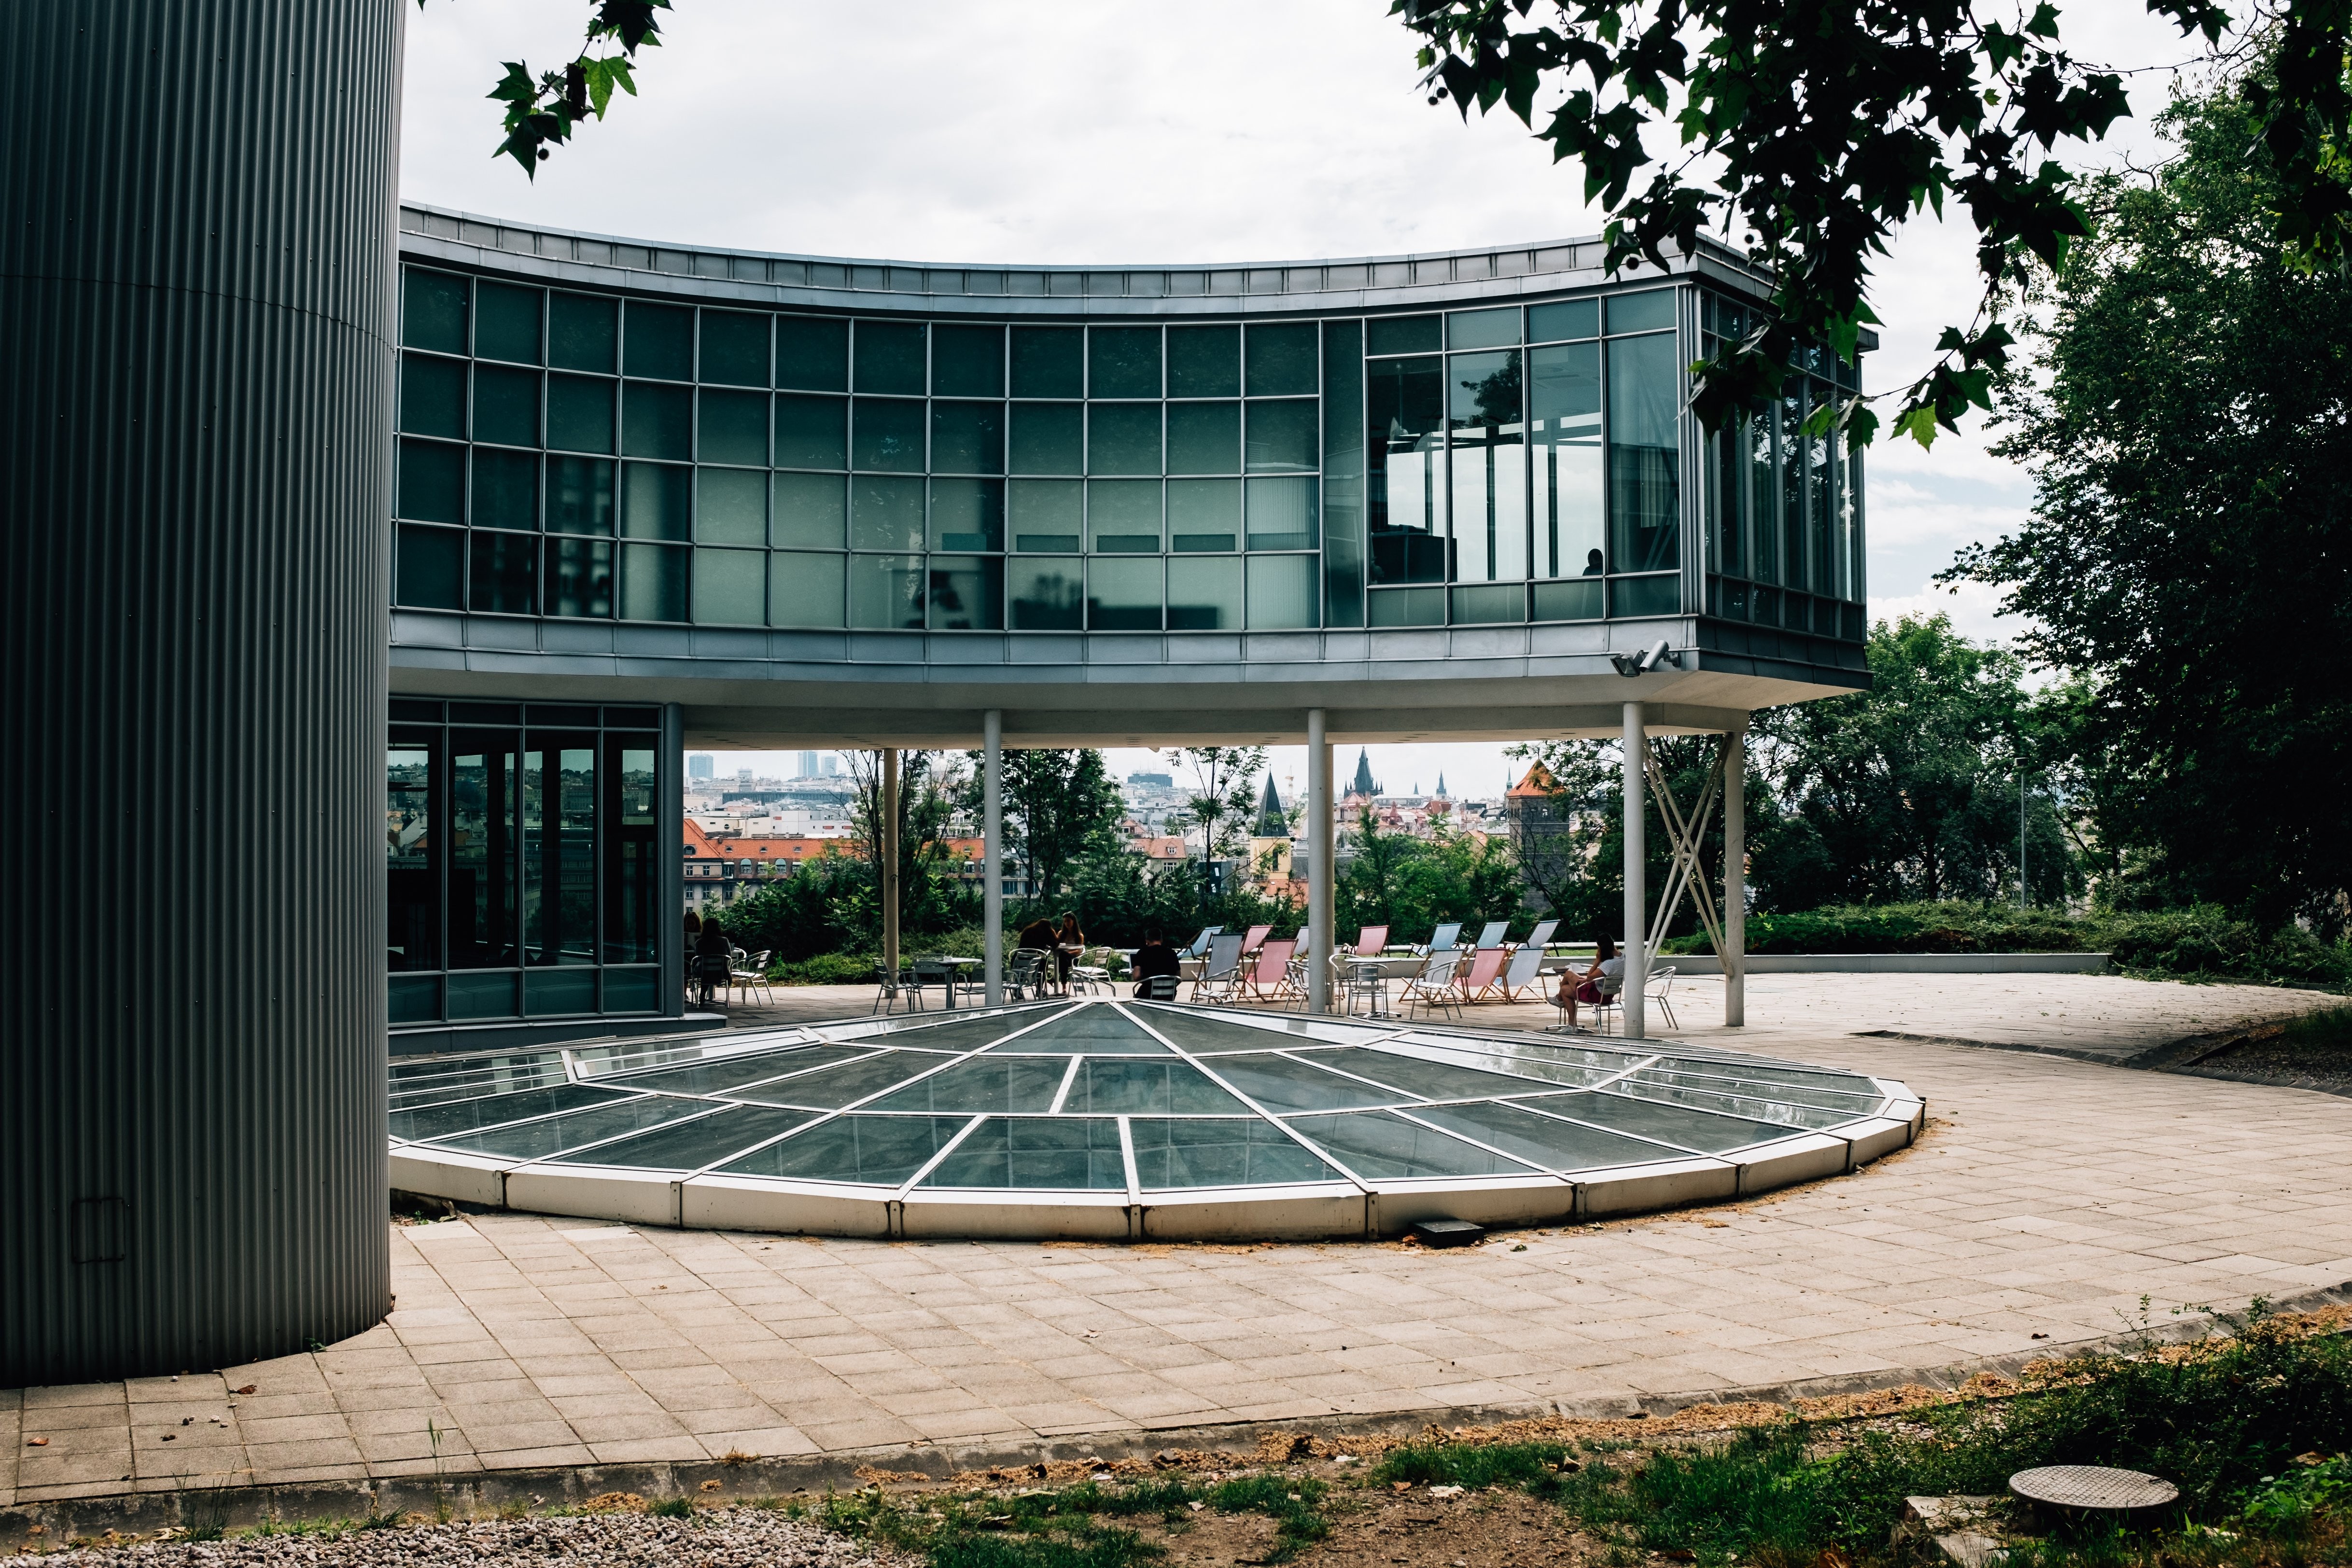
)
(1072, 1527)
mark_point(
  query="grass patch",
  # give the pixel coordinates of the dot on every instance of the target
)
(1534, 1465)
(1073, 1527)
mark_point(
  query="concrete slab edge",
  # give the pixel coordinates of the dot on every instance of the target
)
(486, 1493)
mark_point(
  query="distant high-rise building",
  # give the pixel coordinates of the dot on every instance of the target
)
(700, 766)
(829, 765)
(808, 766)
(742, 775)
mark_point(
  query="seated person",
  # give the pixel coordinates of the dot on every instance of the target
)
(1038, 936)
(1069, 944)
(1155, 957)
(1605, 978)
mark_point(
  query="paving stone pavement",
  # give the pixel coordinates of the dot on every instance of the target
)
(2049, 1197)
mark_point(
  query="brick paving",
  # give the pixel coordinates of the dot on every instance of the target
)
(2051, 1195)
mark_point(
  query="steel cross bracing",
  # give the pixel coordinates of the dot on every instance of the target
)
(1685, 833)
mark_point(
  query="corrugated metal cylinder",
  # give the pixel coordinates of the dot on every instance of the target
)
(195, 366)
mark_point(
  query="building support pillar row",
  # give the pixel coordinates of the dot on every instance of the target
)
(992, 829)
(1630, 1000)
(1322, 866)
(1735, 877)
(890, 878)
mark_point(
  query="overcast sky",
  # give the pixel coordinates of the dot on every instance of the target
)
(1123, 133)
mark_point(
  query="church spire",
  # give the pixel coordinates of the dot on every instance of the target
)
(1364, 784)
(1271, 823)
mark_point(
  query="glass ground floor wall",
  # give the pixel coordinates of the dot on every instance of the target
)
(592, 456)
(524, 856)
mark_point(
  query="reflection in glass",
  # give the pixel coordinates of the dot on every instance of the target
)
(559, 845)
(1046, 514)
(1405, 335)
(1652, 310)
(1123, 516)
(1644, 498)
(1204, 594)
(967, 514)
(504, 576)
(1793, 484)
(506, 405)
(1343, 474)
(1280, 360)
(1818, 514)
(1564, 418)
(657, 502)
(1123, 437)
(410, 936)
(1492, 329)
(653, 583)
(886, 592)
(1123, 595)
(733, 428)
(691, 1145)
(1283, 437)
(886, 434)
(1028, 1084)
(967, 438)
(1281, 592)
(804, 590)
(656, 421)
(484, 783)
(579, 578)
(1147, 1087)
(433, 311)
(967, 593)
(1204, 514)
(1406, 401)
(886, 513)
(813, 353)
(1487, 466)
(1046, 593)
(812, 432)
(1563, 319)
(730, 587)
(1182, 1154)
(432, 396)
(1380, 1146)
(579, 414)
(1763, 495)
(632, 852)
(1281, 1084)
(505, 489)
(1282, 513)
(582, 332)
(883, 1150)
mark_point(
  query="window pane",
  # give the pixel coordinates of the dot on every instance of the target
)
(812, 432)
(1406, 401)
(1644, 498)
(1343, 474)
(1644, 596)
(1283, 437)
(429, 571)
(885, 591)
(1123, 515)
(1205, 439)
(730, 587)
(579, 578)
(580, 495)
(653, 583)
(507, 324)
(1281, 360)
(1047, 595)
(1578, 599)
(1123, 595)
(1048, 362)
(506, 405)
(432, 482)
(887, 433)
(735, 348)
(656, 421)
(432, 396)
(967, 438)
(1281, 590)
(656, 502)
(731, 507)
(579, 414)
(890, 357)
(657, 341)
(1482, 329)
(1048, 437)
(582, 332)
(733, 428)
(505, 489)
(433, 311)
(1564, 319)
(967, 593)
(505, 566)
(559, 852)
(886, 514)
(968, 361)
(967, 514)
(631, 858)
(804, 590)
(412, 936)
(812, 353)
(1564, 424)
(1404, 335)
(1647, 311)
(1204, 514)
(811, 510)
(1281, 514)
(1406, 607)
(1490, 603)
(1124, 362)
(1205, 362)
(1046, 514)
(1486, 469)
(485, 779)
(1123, 438)
(1204, 596)
(1792, 486)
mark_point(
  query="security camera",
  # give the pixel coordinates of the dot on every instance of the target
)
(1648, 660)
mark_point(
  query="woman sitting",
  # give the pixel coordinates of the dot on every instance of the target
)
(1596, 984)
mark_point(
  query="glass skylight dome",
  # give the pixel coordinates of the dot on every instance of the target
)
(1134, 1119)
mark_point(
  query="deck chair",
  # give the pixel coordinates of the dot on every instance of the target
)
(1491, 936)
(1540, 938)
(1221, 981)
(1255, 937)
(1200, 946)
(1485, 967)
(1444, 937)
(1433, 986)
(1524, 970)
(1269, 970)
(1371, 940)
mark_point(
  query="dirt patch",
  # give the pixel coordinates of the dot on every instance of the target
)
(1492, 1529)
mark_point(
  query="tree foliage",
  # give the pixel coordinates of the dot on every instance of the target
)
(542, 110)
(1410, 884)
(1221, 805)
(1058, 805)
(2189, 556)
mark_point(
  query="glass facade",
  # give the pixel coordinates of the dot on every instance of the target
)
(524, 857)
(585, 457)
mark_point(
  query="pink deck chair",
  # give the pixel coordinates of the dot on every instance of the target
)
(1270, 975)
(1371, 940)
(1478, 980)
(1256, 939)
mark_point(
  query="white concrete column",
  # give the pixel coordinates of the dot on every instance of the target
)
(889, 869)
(991, 899)
(1632, 1000)
(1322, 867)
(1735, 877)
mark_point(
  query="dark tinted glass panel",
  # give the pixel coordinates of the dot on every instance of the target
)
(1191, 1154)
(549, 1135)
(1205, 362)
(433, 311)
(432, 396)
(506, 325)
(1123, 515)
(505, 489)
(412, 882)
(968, 361)
(886, 513)
(890, 357)
(506, 405)
(1406, 402)
(690, 1145)
(1046, 514)
(1048, 437)
(432, 482)
(887, 592)
(656, 421)
(1564, 319)
(1645, 495)
(733, 428)
(657, 502)
(1646, 595)
(1407, 607)
(1281, 360)
(966, 593)
(812, 432)
(1404, 335)
(579, 578)
(812, 353)
(1343, 474)
(1489, 604)
(1482, 328)
(1205, 439)
(486, 779)
(730, 587)
(658, 342)
(1281, 514)
(504, 573)
(1280, 1084)
(1123, 438)
(1564, 426)
(471, 1115)
(653, 583)
(1388, 1148)
(1038, 1155)
(805, 590)
(967, 514)
(1046, 594)
(886, 434)
(430, 570)
(735, 348)
(730, 506)
(579, 414)
(1123, 362)
(810, 509)
(582, 332)
(1204, 514)
(1123, 595)
(1049, 362)
(1572, 601)
(1284, 438)
(580, 495)
(967, 438)
(1649, 311)
(883, 1150)
(1204, 593)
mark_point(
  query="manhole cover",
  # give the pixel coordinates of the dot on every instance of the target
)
(2091, 1486)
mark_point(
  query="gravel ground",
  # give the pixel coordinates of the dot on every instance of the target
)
(713, 1538)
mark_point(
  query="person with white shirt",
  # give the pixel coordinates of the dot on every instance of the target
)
(1604, 979)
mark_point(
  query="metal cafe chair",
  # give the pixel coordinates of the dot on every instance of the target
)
(749, 974)
(929, 972)
(1159, 988)
(1025, 974)
(1433, 986)
(1661, 981)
